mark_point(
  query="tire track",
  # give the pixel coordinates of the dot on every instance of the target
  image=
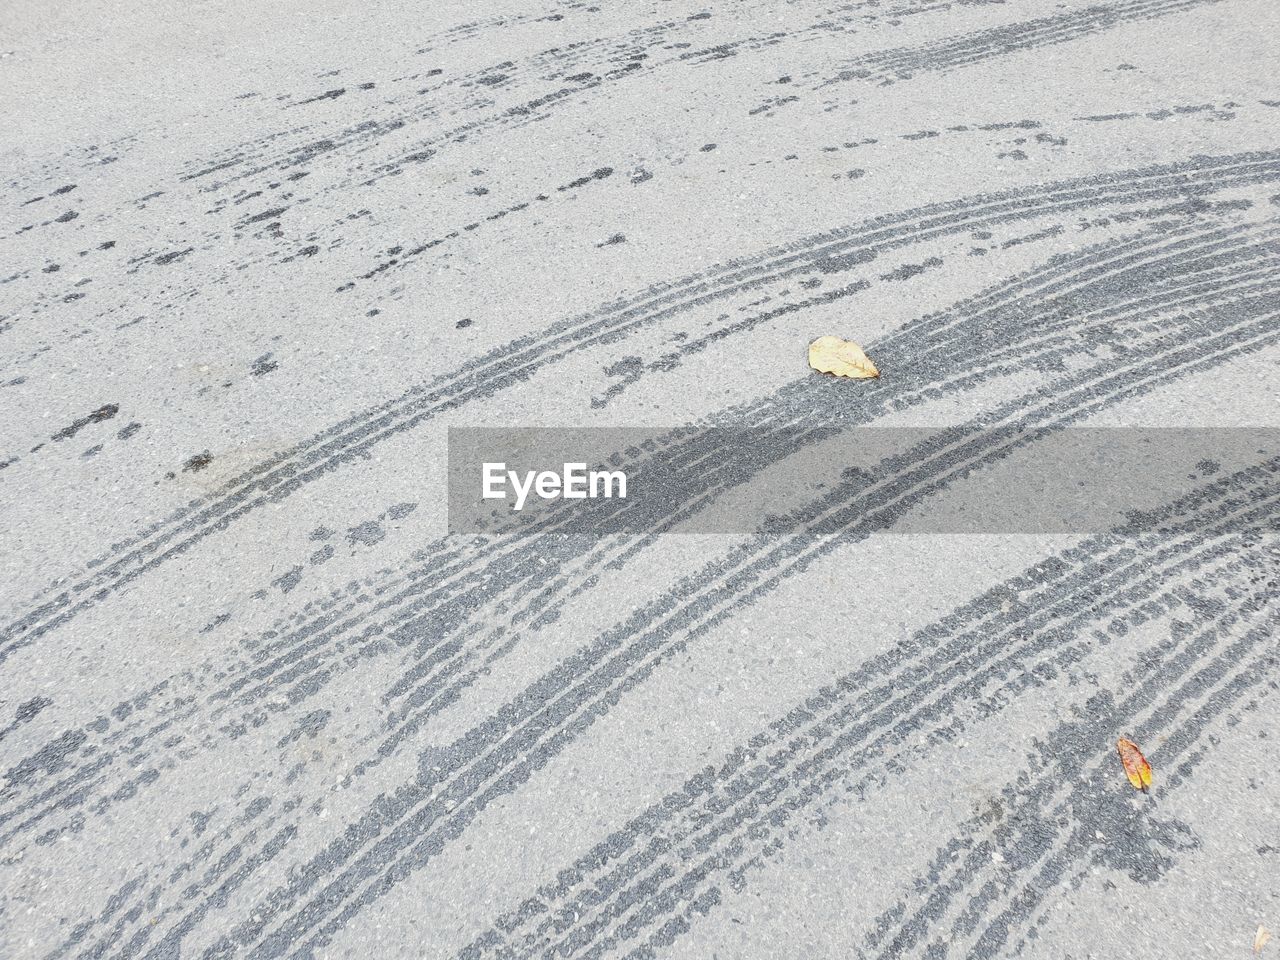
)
(503, 753)
(891, 66)
(987, 907)
(288, 732)
(511, 365)
(649, 52)
(555, 77)
(170, 941)
(452, 589)
(664, 868)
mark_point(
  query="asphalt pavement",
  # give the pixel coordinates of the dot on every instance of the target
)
(263, 694)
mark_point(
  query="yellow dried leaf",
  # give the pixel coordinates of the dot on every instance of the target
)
(844, 358)
(1260, 940)
(1136, 767)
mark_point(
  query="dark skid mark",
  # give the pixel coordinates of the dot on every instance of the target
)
(368, 533)
(909, 270)
(930, 329)
(327, 95)
(263, 365)
(867, 724)
(173, 257)
(264, 215)
(889, 66)
(500, 755)
(287, 581)
(25, 713)
(105, 412)
(511, 364)
(599, 174)
(1050, 841)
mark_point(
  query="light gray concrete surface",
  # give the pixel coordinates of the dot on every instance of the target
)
(256, 259)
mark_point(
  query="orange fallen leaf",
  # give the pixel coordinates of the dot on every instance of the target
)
(1260, 940)
(1136, 767)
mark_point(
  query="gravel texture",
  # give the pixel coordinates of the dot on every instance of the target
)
(257, 259)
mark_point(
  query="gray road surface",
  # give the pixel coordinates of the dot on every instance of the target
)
(257, 259)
